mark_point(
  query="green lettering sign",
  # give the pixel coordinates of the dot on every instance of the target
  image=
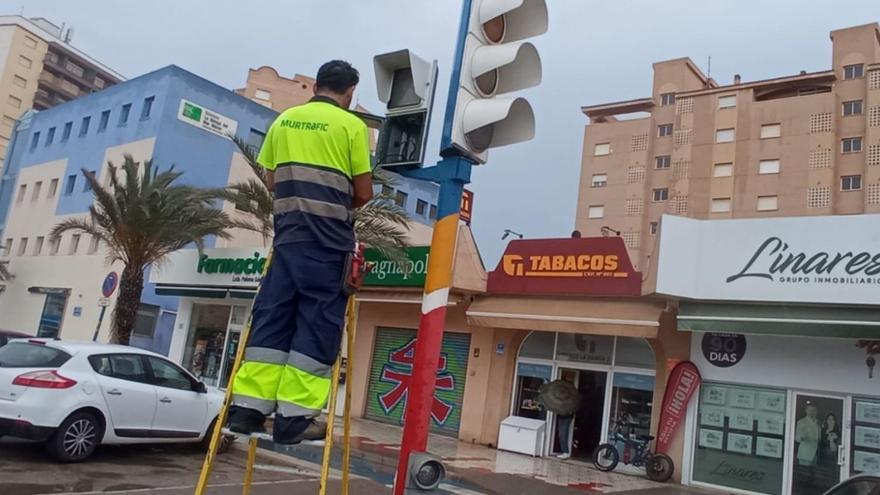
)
(390, 274)
(235, 266)
(192, 112)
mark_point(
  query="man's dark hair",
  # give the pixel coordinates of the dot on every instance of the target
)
(336, 76)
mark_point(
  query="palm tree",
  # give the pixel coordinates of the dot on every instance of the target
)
(142, 217)
(379, 224)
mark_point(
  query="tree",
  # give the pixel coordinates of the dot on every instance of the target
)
(380, 224)
(142, 215)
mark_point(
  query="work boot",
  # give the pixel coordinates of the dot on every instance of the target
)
(291, 431)
(246, 421)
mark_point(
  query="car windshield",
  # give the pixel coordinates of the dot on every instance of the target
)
(28, 355)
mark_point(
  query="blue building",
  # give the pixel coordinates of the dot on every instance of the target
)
(170, 115)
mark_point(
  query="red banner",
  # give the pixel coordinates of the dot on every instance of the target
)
(682, 383)
(591, 266)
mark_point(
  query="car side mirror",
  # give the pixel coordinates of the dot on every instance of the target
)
(200, 387)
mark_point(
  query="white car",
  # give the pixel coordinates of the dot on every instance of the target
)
(76, 395)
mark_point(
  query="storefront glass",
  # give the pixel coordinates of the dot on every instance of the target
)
(741, 438)
(582, 348)
(816, 442)
(538, 345)
(203, 353)
(530, 377)
(865, 444)
(633, 353)
(632, 398)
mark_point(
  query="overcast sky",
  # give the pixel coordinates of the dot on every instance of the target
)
(594, 52)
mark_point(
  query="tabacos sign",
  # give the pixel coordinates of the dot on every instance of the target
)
(577, 266)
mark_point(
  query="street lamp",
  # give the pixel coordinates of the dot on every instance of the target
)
(607, 231)
(508, 233)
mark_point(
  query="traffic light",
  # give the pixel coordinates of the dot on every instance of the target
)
(494, 61)
(405, 83)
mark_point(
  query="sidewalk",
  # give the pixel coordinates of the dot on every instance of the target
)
(375, 448)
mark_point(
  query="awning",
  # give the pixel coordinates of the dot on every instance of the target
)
(628, 318)
(205, 292)
(400, 296)
(805, 321)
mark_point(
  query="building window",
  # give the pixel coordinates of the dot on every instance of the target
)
(13, 101)
(25, 62)
(38, 246)
(724, 136)
(36, 194)
(71, 184)
(19, 81)
(768, 203)
(22, 191)
(852, 108)
(105, 119)
(7, 248)
(720, 205)
(661, 194)
(667, 99)
(50, 136)
(664, 130)
(74, 244)
(596, 211)
(30, 42)
(262, 94)
(728, 101)
(22, 246)
(722, 170)
(84, 128)
(768, 167)
(123, 115)
(421, 207)
(854, 71)
(852, 145)
(68, 127)
(148, 107)
(433, 212)
(654, 228)
(662, 161)
(53, 189)
(87, 187)
(145, 321)
(770, 131)
(93, 246)
(54, 245)
(851, 183)
(400, 199)
(599, 180)
(387, 191)
(35, 140)
(602, 149)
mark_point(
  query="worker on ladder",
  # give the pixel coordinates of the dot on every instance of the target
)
(318, 161)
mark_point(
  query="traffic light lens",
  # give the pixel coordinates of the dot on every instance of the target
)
(480, 138)
(494, 29)
(487, 83)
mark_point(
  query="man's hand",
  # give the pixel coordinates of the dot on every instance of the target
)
(363, 190)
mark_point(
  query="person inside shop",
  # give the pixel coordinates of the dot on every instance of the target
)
(562, 398)
(830, 441)
(807, 433)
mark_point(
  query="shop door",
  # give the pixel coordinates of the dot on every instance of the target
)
(53, 314)
(586, 434)
(391, 371)
(817, 447)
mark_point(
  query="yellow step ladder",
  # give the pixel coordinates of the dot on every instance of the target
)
(211, 455)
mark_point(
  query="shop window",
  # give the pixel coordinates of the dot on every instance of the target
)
(585, 348)
(205, 341)
(740, 440)
(864, 447)
(529, 379)
(633, 353)
(538, 345)
(632, 398)
(145, 321)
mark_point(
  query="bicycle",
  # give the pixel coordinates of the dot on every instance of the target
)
(658, 466)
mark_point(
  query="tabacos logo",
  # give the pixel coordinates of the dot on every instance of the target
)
(573, 266)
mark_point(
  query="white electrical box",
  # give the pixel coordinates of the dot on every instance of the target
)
(523, 435)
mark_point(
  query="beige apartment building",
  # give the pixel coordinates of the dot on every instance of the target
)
(40, 69)
(793, 145)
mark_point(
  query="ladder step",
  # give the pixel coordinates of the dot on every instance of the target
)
(268, 437)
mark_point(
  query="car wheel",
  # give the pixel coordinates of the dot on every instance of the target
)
(226, 441)
(77, 437)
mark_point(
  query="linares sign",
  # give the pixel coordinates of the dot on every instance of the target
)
(243, 268)
(827, 259)
(205, 119)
